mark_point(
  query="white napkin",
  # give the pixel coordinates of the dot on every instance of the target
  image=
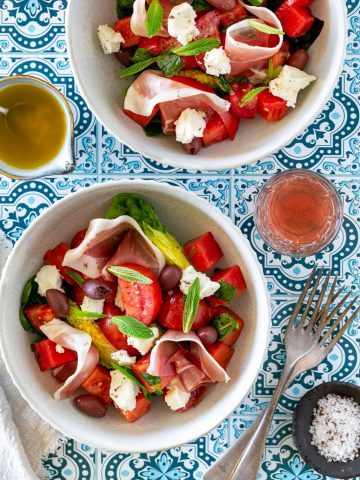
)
(24, 437)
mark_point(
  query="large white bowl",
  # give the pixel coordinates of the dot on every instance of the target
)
(186, 216)
(97, 76)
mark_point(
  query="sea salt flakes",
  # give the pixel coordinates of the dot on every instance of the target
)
(335, 428)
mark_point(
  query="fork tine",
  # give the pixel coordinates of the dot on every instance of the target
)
(301, 298)
(341, 331)
(311, 298)
(321, 295)
(326, 320)
(322, 313)
(336, 294)
(338, 320)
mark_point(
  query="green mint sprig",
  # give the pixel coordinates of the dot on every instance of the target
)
(132, 327)
(191, 305)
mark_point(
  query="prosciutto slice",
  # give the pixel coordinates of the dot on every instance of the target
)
(101, 243)
(160, 357)
(245, 56)
(151, 88)
(190, 376)
(78, 341)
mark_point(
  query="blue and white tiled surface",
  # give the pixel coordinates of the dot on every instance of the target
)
(32, 42)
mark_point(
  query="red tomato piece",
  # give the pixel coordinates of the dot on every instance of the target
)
(123, 26)
(77, 295)
(281, 57)
(270, 107)
(55, 256)
(203, 252)
(171, 312)
(47, 356)
(39, 314)
(98, 384)
(215, 131)
(189, 63)
(295, 20)
(209, 27)
(233, 16)
(142, 119)
(111, 331)
(158, 45)
(231, 123)
(221, 352)
(78, 238)
(233, 276)
(231, 338)
(240, 90)
(195, 398)
(142, 407)
(141, 301)
(141, 366)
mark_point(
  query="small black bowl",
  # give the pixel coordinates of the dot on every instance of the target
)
(303, 416)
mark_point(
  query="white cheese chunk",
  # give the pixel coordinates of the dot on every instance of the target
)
(177, 397)
(217, 62)
(59, 348)
(90, 305)
(181, 23)
(48, 277)
(207, 286)
(144, 345)
(123, 391)
(289, 83)
(189, 125)
(118, 299)
(110, 40)
(123, 358)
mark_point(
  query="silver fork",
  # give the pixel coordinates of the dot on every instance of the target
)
(307, 343)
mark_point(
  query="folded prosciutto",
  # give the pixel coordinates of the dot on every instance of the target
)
(168, 357)
(244, 56)
(104, 245)
(151, 88)
(78, 341)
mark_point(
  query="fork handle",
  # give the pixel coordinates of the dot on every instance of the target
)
(242, 461)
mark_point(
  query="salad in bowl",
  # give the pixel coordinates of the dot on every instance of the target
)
(198, 69)
(124, 313)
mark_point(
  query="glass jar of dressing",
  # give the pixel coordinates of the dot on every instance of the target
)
(36, 129)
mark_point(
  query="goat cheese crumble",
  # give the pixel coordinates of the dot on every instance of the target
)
(177, 397)
(123, 358)
(110, 40)
(118, 299)
(48, 277)
(207, 286)
(90, 305)
(335, 428)
(144, 345)
(181, 23)
(189, 125)
(217, 62)
(289, 83)
(123, 391)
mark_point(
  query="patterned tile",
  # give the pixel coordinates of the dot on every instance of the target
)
(32, 41)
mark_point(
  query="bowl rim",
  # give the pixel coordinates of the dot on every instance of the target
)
(190, 162)
(263, 312)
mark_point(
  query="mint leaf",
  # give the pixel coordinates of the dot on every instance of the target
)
(154, 127)
(170, 64)
(132, 327)
(154, 18)
(124, 8)
(128, 374)
(223, 84)
(226, 291)
(251, 95)
(29, 296)
(191, 305)
(78, 279)
(75, 312)
(151, 379)
(196, 47)
(256, 3)
(201, 5)
(224, 324)
(130, 275)
(262, 27)
(140, 55)
(137, 67)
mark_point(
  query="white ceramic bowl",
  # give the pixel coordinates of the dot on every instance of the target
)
(186, 216)
(97, 76)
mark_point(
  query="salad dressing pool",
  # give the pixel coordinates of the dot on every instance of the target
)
(33, 131)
